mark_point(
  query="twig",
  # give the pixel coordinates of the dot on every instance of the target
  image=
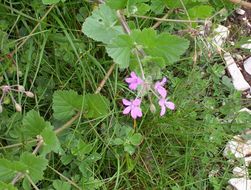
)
(158, 23)
(102, 83)
(32, 183)
(67, 124)
(123, 22)
(168, 20)
(16, 145)
(64, 177)
(242, 3)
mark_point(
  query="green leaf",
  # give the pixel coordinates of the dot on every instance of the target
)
(102, 25)
(9, 168)
(51, 142)
(96, 105)
(201, 11)
(35, 165)
(129, 148)
(66, 103)
(170, 47)
(5, 186)
(33, 124)
(61, 185)
(50, 2)
(115, 4)
(135, 139)
(120, 50)
(118, 141)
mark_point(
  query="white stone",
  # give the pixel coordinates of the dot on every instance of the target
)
(240, 183)
(239, 82)
(240, 11)
(240, 172)
(221, 34)
(247, 65)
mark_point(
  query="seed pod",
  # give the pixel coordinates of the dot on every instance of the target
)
(20, 88)
(152, 108)
(18, 107)
(29, 94)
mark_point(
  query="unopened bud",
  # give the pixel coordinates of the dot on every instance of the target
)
(18, 107)
(1, 108)
(29, 94)
(20, 88)
(152, 108)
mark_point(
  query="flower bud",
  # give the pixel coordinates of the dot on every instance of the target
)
(18, 107)
(1, 108)
(152, 108)
(29, 94)
(20, 88)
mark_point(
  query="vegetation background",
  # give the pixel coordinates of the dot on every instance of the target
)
(84, 141)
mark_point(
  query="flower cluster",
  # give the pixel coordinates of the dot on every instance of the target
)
(6, 90)
(133, 106)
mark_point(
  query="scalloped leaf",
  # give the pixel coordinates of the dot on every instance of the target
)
(66, 103)
(102, 25)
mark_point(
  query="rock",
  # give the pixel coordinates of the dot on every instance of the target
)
(240, 183)
(238, 147)
(240, 11)
(240, 172)
(221, 34)
(239, 82)
(247, 65)
(247, 45)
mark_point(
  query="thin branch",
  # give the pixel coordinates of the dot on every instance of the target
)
(168, 20)
(32, 183)
(123, 22)
(158, 23)
(64, 177)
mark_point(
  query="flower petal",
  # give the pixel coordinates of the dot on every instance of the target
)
(129, 80)
(170, 105)
(162, 102)
(136, 102)
(163, 110)
(133, 75)
(133, 86)
(163, 82)
(127, 110)
(126, 102)
(136, 112)
(162, 91)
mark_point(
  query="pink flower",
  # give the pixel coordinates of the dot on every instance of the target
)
(159, 87)
(133, 107)
(133, 81)
(165, 104)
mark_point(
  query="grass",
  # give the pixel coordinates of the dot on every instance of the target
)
(179, 151)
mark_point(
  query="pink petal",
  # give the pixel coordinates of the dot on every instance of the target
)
(127, 110)
(163, 110)
(133, 75)
(129, 80)
(136, 102)
(162, 91)
(163, 82)
(136, 112)
(133, 86)
(126, 102)
(162, 102)
(170, 105)
(157, 85)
